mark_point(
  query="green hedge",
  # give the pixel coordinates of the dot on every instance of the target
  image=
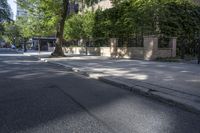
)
(168, 17)
(137, 18)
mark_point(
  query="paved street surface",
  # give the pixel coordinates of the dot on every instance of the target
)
(38, 97)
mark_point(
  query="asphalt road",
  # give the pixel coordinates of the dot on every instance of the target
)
(38, 97)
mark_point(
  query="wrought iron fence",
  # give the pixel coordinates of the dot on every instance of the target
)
(163, 42)
(99, 42)
(136, 41)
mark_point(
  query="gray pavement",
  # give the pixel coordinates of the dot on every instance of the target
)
(38, 97)
(176, 82)
(31, 101)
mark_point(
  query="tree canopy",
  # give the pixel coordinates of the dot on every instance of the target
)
(48, 16)
(4, 10)
(80, 26)
(128, 18)
(12, 33)
(4, 15)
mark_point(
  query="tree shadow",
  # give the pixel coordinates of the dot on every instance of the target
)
(39, 97)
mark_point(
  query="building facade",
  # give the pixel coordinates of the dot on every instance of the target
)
(106, 4)
(101, 4)
(21, 12)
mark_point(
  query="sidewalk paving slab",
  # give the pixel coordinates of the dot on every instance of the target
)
(115, 72)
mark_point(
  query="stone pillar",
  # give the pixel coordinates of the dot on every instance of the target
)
(150, 47)
(172, 45)
(113, 47)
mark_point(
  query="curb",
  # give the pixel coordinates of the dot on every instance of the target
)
(160, 96)
(163, 97)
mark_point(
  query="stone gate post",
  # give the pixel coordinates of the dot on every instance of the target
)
(113, 47)
(150, 47)
(173, 42)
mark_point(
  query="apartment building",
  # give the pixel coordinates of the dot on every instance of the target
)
(21, 12)
(106, 4)
(101, 4)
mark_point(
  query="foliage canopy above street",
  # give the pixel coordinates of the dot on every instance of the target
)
(4, 15)
(165, 17)
(171, 18)
(47, 17)
(4, 10)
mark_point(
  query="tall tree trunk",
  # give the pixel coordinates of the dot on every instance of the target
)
(60, 30)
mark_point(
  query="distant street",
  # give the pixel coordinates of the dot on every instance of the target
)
(38, 97)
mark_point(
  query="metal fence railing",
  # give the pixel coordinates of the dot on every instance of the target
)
(130, 41)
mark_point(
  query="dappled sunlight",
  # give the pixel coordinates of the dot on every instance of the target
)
(4, 71)
(127, 74)
(24, 75)
(45, 94)
(160, 66)
(168, 78)
(137, 76)
(194, 81)
(184, 71)
(12, 55)
(20, 61)
(171, 75)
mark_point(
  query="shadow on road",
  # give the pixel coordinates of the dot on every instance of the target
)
(41, 97)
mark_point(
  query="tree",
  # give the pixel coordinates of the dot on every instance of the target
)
(51, 13)
(74, 27)
(4, 14)
(26, 29)
(4, 10)
(60, 28)
(12, 33)
(80, 26)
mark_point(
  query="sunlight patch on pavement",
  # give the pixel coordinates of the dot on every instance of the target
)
(138, 76)
(195, 81)
(11, 55)
(19, 62)
(184, 71)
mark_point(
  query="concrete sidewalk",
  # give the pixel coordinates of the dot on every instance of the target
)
(177, 83)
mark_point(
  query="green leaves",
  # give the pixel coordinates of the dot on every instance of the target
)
(11, 33)
(4, 10)
(168, 17)
(4, 15)
(180, 19)
(74, 27)
(43, 17)
(127, 18)
(80, 26)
